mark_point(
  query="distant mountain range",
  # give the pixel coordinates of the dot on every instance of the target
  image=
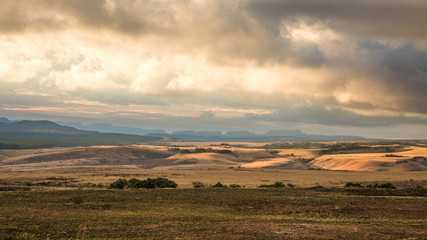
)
(37, 134)
(107, 133)
(109, 128)
(214, 136)
(5, 120)
(38, 127)
(246, 136)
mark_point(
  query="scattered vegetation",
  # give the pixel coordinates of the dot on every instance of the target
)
(343, 148)
(376, 185)
(273, 213)
(384, 185)
(354, 185)
(199, 185)
(219, 185)
(295, 145)
(274, 185)
(392, 155)
(119, 184)
(158, 182)
(14, 188)
(200, 150)
(305, 160)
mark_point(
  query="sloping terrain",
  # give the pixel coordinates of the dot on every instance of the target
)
(43, 134)
(38, 127)
(413, 158)
(409, 159)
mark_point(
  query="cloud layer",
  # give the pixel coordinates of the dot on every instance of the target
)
(326, 62)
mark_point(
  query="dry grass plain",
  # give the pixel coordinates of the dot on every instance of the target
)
(211, 214)
(87, 178)
(343, 156)
(246, 164)
(63, 193)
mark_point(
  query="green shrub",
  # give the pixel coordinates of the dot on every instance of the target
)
(119, 184)
(158, 182)
(224, 151)
(235, 186)
(354, 185)
(219, 185)
(274, 185)
(387, 185)
(384, 185)
(198, 185)
(290, 185)
(135, 183)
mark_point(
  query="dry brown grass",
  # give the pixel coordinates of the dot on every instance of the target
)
(374, 161)
(184, 178)
(246, 155)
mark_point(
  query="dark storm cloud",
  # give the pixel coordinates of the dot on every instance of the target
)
(129, 17)
(333, 116)
(402, 71)
(375, 60)
(378, 18)
(228, 32)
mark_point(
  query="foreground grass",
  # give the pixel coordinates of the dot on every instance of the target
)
(210, 214)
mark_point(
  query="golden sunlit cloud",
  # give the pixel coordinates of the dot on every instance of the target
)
(270, 62)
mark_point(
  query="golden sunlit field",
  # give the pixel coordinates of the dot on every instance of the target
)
(349, 156)
(204, 119)
(342, 190)
(78, 178)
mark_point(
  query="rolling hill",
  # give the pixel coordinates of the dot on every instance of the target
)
(41, 134)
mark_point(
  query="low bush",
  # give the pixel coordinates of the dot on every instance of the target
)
(200, 150)
(219, 185)
(199, 185)
(158, 182)
(376, 185)
(385, 185)
(353, 185)
(274, 185)
(119, 184)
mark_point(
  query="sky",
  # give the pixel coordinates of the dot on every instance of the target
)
(325, 67)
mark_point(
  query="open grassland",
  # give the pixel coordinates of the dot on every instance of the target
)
(101, 178)
(212, 214)
(349, 156)
(63, 193)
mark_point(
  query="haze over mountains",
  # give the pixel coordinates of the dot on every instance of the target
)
(247, 136)
(101, 129)
(190, 135)
(39, 134)
(109, 128)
